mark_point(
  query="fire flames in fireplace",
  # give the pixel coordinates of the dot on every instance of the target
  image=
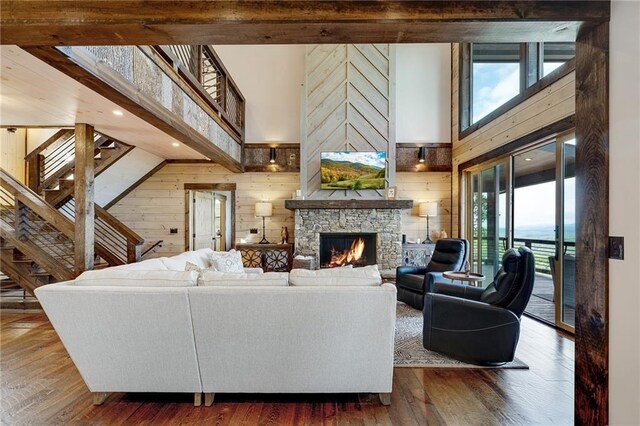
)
(350, 256)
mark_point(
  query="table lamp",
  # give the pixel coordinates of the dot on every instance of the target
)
(263, 210)
(429, 208)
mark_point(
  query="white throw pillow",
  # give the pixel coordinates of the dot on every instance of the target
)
(125, 278)
(216, 278)
(227, 261)
(365, 276)
(145, 265)
(193, 267)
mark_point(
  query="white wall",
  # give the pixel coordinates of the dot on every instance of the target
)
(113, 181)
(423, 93)
(624, 213)
(270, 78)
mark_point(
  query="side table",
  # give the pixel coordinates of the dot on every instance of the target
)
(474, 279)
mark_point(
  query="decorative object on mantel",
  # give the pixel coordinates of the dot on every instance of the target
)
(264, 210)
(391, 193)
(429, 208)
(284, 233)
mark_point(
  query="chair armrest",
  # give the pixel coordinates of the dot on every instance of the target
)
(403, 270)
(458, 290)
(454, 313)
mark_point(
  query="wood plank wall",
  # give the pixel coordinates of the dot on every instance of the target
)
(349, 105)
(420, 187)
(554, 103)
(158, 204)
(13, 146)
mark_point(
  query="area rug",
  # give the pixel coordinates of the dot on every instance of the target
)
(408, 351)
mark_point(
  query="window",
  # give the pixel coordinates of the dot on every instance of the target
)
(495, 76)
(492, 74)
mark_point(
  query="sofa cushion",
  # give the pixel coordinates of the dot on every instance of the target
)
(413, 282)
(145, 265)
(126, 278)
(201, 257)
(227, 261)
(216, 278)
(365, 276)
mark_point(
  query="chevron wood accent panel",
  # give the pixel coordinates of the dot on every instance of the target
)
(348, 105)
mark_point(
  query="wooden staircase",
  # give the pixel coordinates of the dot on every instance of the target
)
(51, 166)
(37, 240)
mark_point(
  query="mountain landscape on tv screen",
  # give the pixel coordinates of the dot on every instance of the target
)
(341, 172)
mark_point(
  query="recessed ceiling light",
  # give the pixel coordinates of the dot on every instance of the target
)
(118, 112)
(527, 159)
(175, 144)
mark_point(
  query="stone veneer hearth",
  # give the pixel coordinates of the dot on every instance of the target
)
(386, 223)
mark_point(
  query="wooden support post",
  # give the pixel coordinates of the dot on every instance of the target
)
(208, 399)
(22, 217)
(134, 252)
(34, 168)
(197, 399)
(84, 194)
(592, 226)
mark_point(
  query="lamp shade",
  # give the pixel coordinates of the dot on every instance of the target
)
(430, 208)
(264, 209)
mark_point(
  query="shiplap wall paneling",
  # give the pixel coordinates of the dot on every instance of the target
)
(158, 204)
(421, 187)
(348, 105)
(12, 152)
(552, 104)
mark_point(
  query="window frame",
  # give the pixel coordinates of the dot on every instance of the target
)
(531, 83)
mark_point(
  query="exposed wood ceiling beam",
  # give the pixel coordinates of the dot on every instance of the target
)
(94, 22)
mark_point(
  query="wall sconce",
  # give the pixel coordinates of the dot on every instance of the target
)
(272, 155)
(422, 154)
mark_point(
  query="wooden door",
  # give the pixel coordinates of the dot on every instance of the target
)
(203, 235)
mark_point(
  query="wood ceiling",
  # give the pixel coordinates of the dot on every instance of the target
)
(93, 22)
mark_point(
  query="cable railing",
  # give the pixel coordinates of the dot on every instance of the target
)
(542, 250)
(115, 243)
(202, 69)
(35, 227)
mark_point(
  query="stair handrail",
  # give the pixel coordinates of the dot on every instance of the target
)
(134, 241)
(59, 135)
(45, 210)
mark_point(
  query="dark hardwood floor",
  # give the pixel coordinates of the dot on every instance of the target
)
(41, 386)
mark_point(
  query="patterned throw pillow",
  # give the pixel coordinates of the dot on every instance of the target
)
(227, 261)
(200, 270)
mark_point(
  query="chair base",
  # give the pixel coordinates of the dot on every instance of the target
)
(411, 298)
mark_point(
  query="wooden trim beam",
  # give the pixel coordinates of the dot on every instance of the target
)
(95, 22)
(592, 226)
(84, 198)
(135, 185)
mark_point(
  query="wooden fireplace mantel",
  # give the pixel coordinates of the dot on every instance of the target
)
(348, 204)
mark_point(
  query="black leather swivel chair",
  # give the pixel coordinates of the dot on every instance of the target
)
(450, 254)
(476, 325)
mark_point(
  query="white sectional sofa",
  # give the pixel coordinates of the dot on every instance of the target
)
(136, 329)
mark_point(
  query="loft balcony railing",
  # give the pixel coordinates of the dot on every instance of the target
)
(202, 69)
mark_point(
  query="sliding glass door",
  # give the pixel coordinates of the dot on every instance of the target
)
(528, 199)
(488, 218)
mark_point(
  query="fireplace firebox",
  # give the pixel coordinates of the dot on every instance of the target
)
(341, 249)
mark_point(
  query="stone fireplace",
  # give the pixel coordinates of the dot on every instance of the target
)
(378, 219)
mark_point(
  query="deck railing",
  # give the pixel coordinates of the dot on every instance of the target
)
(542, 249)
(202, 69)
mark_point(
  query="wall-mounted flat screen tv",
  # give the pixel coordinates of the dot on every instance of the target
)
(352, 170)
